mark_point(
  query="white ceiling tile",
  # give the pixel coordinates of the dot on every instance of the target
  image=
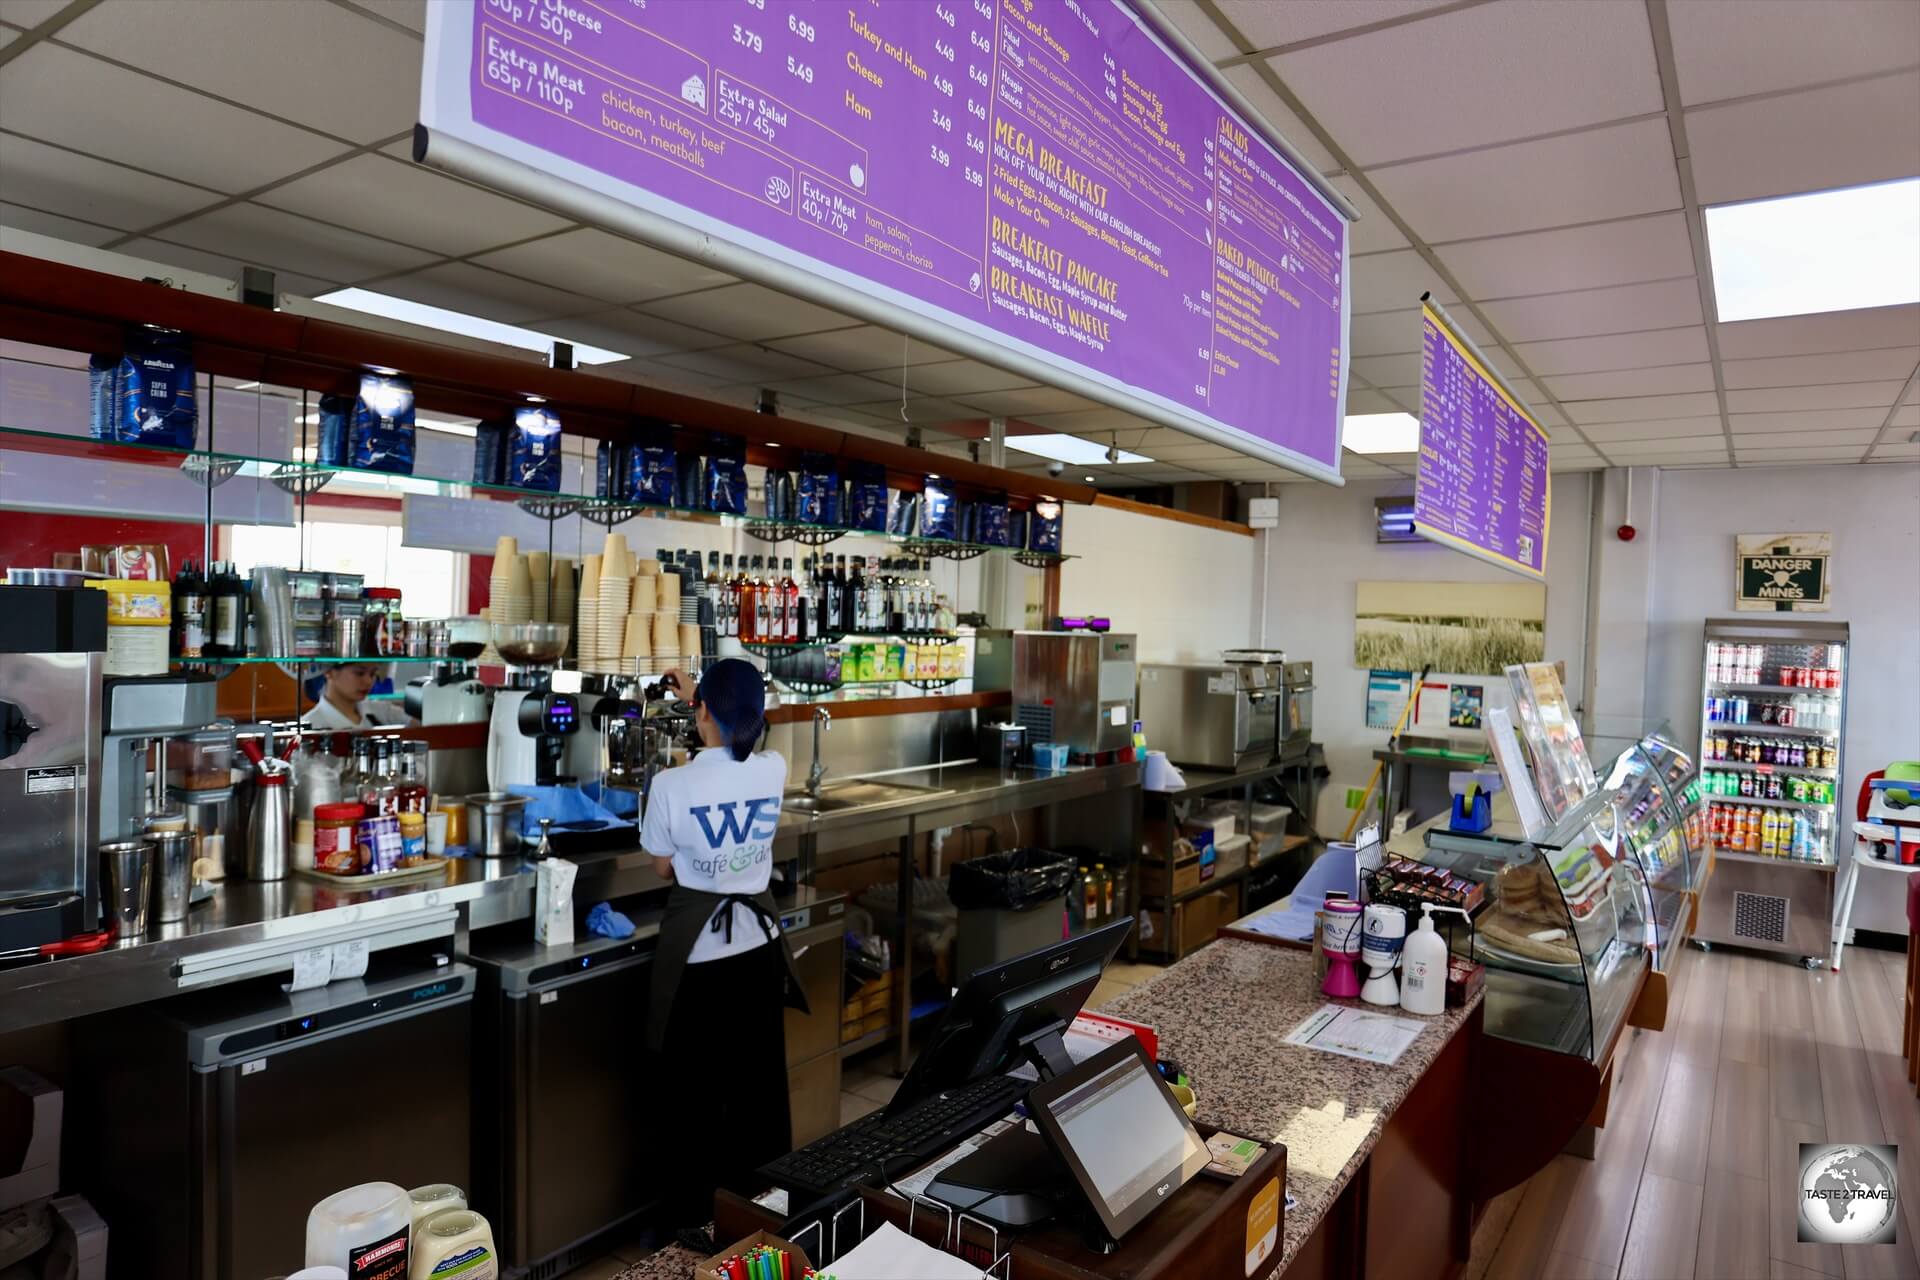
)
(320, 64)
(601, 265)
(1394, 282)
(412, 204)
(863, 347)
(268, 237)
(7, 36)
(1590, 257)
(1571, 452)
(1787, 439)
(630, 332)
(1197, 26)
(462, 286)
(78, 186)
(1385, 333)
(1626, 458)
(1907, 415)
(1385, 97)
(923, 411)
(1389, 371)
(1730, 48)
(962, 377)
(411, 14)
(1860, 329)
(81, 102)
(1838, 395)
(1192, 454)
(1658, 305)
(1661, 445)
(834, 389)
(1896, 453)
(52, 224)
(748, 312)
(1808, 420)
(1160, 475)
(1593, 463)
(216, 264)
(1643, 408)
(1868, 131)
(1031, 400)
(1267, 25)
(1373, 233)
(652, 373)
(1087, 420)
(1614, 172)
(1617, 351)
(30, 13)
(1365, 400)
(746, 363)
(1280, 117)
(1605, 433)
(1838, 366)
(1663, 380)
(1818, 453)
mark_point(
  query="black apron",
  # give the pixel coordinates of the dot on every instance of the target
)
(691, 912)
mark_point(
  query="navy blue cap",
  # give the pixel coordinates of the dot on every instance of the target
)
(735, 696)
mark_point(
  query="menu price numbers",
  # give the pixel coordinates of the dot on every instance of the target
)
(944, 49)
(747, 39)
(979, 41)
(976, 109)
(801, 27)
(974, 176)
(799, 70)
(943, 85)
(944, 123)
(518, 73)
(938, 155)
(976, 144)
(977, 74)
(1112, 81)
(944, 14)
(984, 8)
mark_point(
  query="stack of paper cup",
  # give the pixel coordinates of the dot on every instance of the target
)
(560, 578)
(489, 655)
(666, 634)
(616, 591)
(539, 585)
(646, 594)
(668, 598)
(649, 567)
(586, 629)
(690, 641)
(639, 643)
(510, 590)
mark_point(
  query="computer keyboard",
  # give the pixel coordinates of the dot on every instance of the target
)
(853, 1154)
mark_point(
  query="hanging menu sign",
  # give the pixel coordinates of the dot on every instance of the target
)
(1483, 486)
(1044, 183)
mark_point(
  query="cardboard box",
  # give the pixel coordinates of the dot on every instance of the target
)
(1197, 920)
(1154, 880)
(30, 1113)
(709, 1268)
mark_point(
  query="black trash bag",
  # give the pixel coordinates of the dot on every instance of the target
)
(1012, 881)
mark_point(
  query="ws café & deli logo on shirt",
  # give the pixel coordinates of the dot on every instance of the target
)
(741, 835)
(1848, 1194)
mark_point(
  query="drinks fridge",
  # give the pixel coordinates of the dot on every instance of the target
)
(1772, 725)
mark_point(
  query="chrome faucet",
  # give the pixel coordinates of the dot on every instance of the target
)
(822, 721)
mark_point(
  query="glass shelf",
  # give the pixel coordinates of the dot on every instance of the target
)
(778, 648)
(1765, 803)
(1774, 688)
(1794, 730)
(215, 467)
(1744, 766)
(323, 660)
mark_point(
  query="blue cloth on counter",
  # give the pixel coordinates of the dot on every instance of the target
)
(569, 807)
(615, 800)
(608, 923)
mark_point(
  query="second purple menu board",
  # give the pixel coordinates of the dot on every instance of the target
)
(1045, 176)
(1483, 486)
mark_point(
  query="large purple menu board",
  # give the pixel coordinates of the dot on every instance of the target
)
(1483, 485)
(1046, 177)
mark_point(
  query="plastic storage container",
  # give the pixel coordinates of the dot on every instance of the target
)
(201, 761)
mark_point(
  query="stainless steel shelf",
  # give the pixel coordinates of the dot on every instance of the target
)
(1745, 766)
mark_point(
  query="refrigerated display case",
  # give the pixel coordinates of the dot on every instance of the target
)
(1772, 724)
(1656, 791)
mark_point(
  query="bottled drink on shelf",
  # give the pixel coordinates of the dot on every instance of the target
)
(411, 788)
(789, 602)
(853, 595)
(189, 613)
(764, 591)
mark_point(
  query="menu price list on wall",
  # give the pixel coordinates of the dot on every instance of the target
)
(1483, 485)
(1044, 171)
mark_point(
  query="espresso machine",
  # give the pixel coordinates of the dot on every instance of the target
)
(53, 643)
(451, 692)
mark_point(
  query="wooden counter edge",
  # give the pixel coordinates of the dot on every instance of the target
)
(801, 712)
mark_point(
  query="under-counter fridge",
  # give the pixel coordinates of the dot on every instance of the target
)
(1773, 721)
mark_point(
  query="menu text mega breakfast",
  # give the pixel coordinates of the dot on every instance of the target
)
(1041, 167)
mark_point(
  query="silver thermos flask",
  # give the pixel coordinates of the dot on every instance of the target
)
(269, 830)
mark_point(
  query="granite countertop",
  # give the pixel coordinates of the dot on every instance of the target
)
(1223, 1013)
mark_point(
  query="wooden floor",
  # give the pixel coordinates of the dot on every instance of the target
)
(1694, 1174)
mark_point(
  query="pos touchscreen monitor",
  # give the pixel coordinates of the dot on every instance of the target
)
(1120, 1133)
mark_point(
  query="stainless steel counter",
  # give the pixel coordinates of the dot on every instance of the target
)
(252, 928)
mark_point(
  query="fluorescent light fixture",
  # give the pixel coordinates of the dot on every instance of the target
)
(1093, 479)
(1381, 433)
(507, 335)
(1064, 448)
(1823, 251)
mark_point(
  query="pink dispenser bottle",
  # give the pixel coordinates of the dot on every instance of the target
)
(1340, 938)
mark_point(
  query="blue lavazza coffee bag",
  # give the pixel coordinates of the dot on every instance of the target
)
(866, 501)
(533, 450)
(490, 451)
(990, 523)
(1043, 526)
(653, 465)
(380, 433)
(817, 499)
(611, 470)
(153, 389)
(102, 379)
(335, 413)
(725, 487)
(939, 513)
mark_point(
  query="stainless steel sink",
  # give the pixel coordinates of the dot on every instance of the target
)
(856, 793)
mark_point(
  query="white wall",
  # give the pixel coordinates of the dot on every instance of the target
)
(1186, 591)
(1324, 546)
(1874, 515)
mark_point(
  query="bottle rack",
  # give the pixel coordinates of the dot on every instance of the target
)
(786, 648)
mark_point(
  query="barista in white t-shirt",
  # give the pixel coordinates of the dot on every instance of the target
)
(722, 975)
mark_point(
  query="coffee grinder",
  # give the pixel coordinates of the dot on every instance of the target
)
(451, 692)
(535, 738)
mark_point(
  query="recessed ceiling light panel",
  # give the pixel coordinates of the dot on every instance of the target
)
(429, 317)
(1381, 433)
(1065, 448)
(1824, 251)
